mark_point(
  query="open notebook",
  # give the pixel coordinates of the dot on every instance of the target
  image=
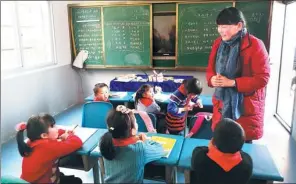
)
(118, 94)
(82, 132)
(167, 144)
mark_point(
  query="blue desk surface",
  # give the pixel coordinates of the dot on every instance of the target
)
(91, 142)
(167, 86)
(173, 159)
(263, 166)
(126, 98)
(206, 99)
(174, 156)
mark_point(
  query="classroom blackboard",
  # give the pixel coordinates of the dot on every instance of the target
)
(257, 17)
(127, 35)
(196, 31)
(120, 35)
(87, 33)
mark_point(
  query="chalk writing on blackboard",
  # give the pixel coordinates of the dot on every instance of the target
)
(198, 35)
(88, 33)
(126, 35)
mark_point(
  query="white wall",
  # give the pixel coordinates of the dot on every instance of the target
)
(51, 89)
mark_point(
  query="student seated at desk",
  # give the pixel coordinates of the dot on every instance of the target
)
(223, 161)
(101, 92)
(179, 105)
(124, 153)
(42, 152)
(144, 100)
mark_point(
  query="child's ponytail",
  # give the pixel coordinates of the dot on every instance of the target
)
(23, 148)
(121, 123)
(107, 147)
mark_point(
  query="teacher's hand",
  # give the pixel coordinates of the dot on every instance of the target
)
(214, 81)
(223, 81)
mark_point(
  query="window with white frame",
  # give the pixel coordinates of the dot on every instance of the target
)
(26, 34)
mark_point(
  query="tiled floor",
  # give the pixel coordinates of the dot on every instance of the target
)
(279, 142)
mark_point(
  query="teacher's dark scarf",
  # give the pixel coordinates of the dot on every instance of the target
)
(229, 65)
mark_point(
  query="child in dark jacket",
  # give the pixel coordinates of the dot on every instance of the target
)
(179, 105)
(45, 146)
(223, 161)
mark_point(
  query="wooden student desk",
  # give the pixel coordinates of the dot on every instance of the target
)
(263, 166)
(170, 163)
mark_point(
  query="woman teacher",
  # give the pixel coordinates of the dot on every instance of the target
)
(239, 71)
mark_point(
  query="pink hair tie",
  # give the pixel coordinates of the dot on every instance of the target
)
(21, 126)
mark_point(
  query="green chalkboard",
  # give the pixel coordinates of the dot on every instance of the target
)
(127, 35)
(196, 31)
(87, 33)
(257, 17)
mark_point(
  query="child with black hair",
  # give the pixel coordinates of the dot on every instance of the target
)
(144, 99)
(101, 92)
(42, 151)
(179, 105)
(239, 70)
(223, 161)
(124, 153)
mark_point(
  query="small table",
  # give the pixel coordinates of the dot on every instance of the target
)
(167, 86)
(170, 162)
(263, 166)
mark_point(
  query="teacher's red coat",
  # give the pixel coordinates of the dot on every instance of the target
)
(255, 76)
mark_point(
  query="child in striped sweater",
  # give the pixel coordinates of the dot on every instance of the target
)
(179, 105)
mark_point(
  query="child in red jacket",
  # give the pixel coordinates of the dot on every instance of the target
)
(101, 92)
(42, 152)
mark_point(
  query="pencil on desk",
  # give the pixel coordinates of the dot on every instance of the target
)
(74, 128)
